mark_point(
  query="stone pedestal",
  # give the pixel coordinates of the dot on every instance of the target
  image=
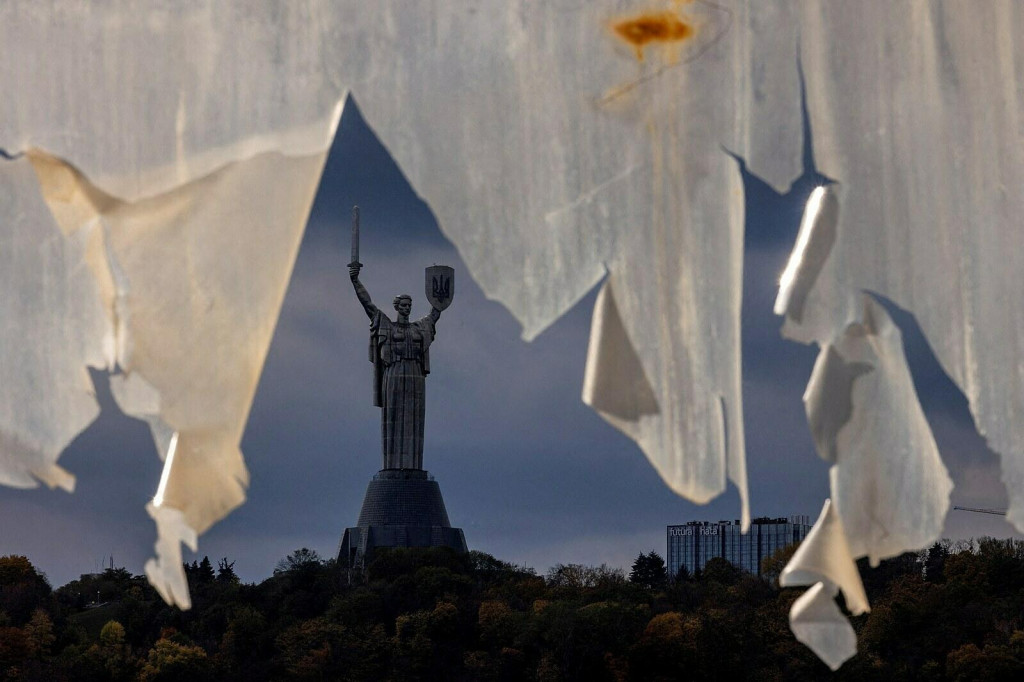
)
(402, 508)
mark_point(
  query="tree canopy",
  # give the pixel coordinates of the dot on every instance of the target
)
(649, 571)
(951, 612)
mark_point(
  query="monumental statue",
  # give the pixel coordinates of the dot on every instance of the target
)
(400, 353)
(403, 505)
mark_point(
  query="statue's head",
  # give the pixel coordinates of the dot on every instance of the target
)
(403, 304)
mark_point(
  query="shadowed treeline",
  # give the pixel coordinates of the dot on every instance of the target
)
(953, 612)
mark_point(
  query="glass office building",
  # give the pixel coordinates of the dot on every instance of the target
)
(693, 544)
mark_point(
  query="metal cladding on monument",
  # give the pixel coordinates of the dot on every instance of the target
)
(403, 506)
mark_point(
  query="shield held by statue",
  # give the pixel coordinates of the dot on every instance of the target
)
(440, 286)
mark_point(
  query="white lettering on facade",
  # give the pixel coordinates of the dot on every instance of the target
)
(688, 531)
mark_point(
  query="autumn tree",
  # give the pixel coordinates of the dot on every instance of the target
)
(23, 589)
(174, 658)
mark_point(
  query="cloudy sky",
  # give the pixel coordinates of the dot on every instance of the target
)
(529, 473)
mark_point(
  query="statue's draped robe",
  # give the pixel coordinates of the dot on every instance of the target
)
(400, 353)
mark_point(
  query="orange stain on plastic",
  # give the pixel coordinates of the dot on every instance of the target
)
(653, 27)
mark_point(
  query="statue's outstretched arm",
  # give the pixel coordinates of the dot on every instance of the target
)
(361, 293)
(434, 314)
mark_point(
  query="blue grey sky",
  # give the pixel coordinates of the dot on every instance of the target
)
(530, 473)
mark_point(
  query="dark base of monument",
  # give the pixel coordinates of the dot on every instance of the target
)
(402, 508)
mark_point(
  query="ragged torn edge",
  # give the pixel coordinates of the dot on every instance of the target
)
(828, 554)
(75, 201)
(614, 381)
(530, 328)
(15, 453)
(615, 385)
(166, 571)
(824, 560)
(312, 138)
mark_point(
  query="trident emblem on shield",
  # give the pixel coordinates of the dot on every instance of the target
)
(440, 286)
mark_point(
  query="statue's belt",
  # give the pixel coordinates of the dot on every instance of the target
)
(395, 357)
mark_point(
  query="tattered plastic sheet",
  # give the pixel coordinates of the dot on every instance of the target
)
(824, 561)
(571, 156)
(52, 326)
(916, 110)
(890, 490)
(590, 145)
(159, 184)
(560, 144)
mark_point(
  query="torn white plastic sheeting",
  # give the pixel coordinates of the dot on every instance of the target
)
(202, 272)
(828, 399)
(576, 153)
(914, 107)
(817, 622)
(615, 383)
(813, 245)
(164, 571)
(553, 154)
(182, 154)
(823, 560)
(888, 482)
(916, 110)
(558, 116)
(52, 326)
(144, 96)
(889, 486)
(825, 555)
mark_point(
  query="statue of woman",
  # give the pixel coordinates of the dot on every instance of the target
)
(400, 353)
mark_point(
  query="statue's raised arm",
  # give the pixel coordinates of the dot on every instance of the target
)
(361, 293)
(400, 353)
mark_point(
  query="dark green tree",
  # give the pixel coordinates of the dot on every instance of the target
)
(299, 559)
(719, 570)
(649, 571)
(204, 572)
(226, 572)
(935, 562)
